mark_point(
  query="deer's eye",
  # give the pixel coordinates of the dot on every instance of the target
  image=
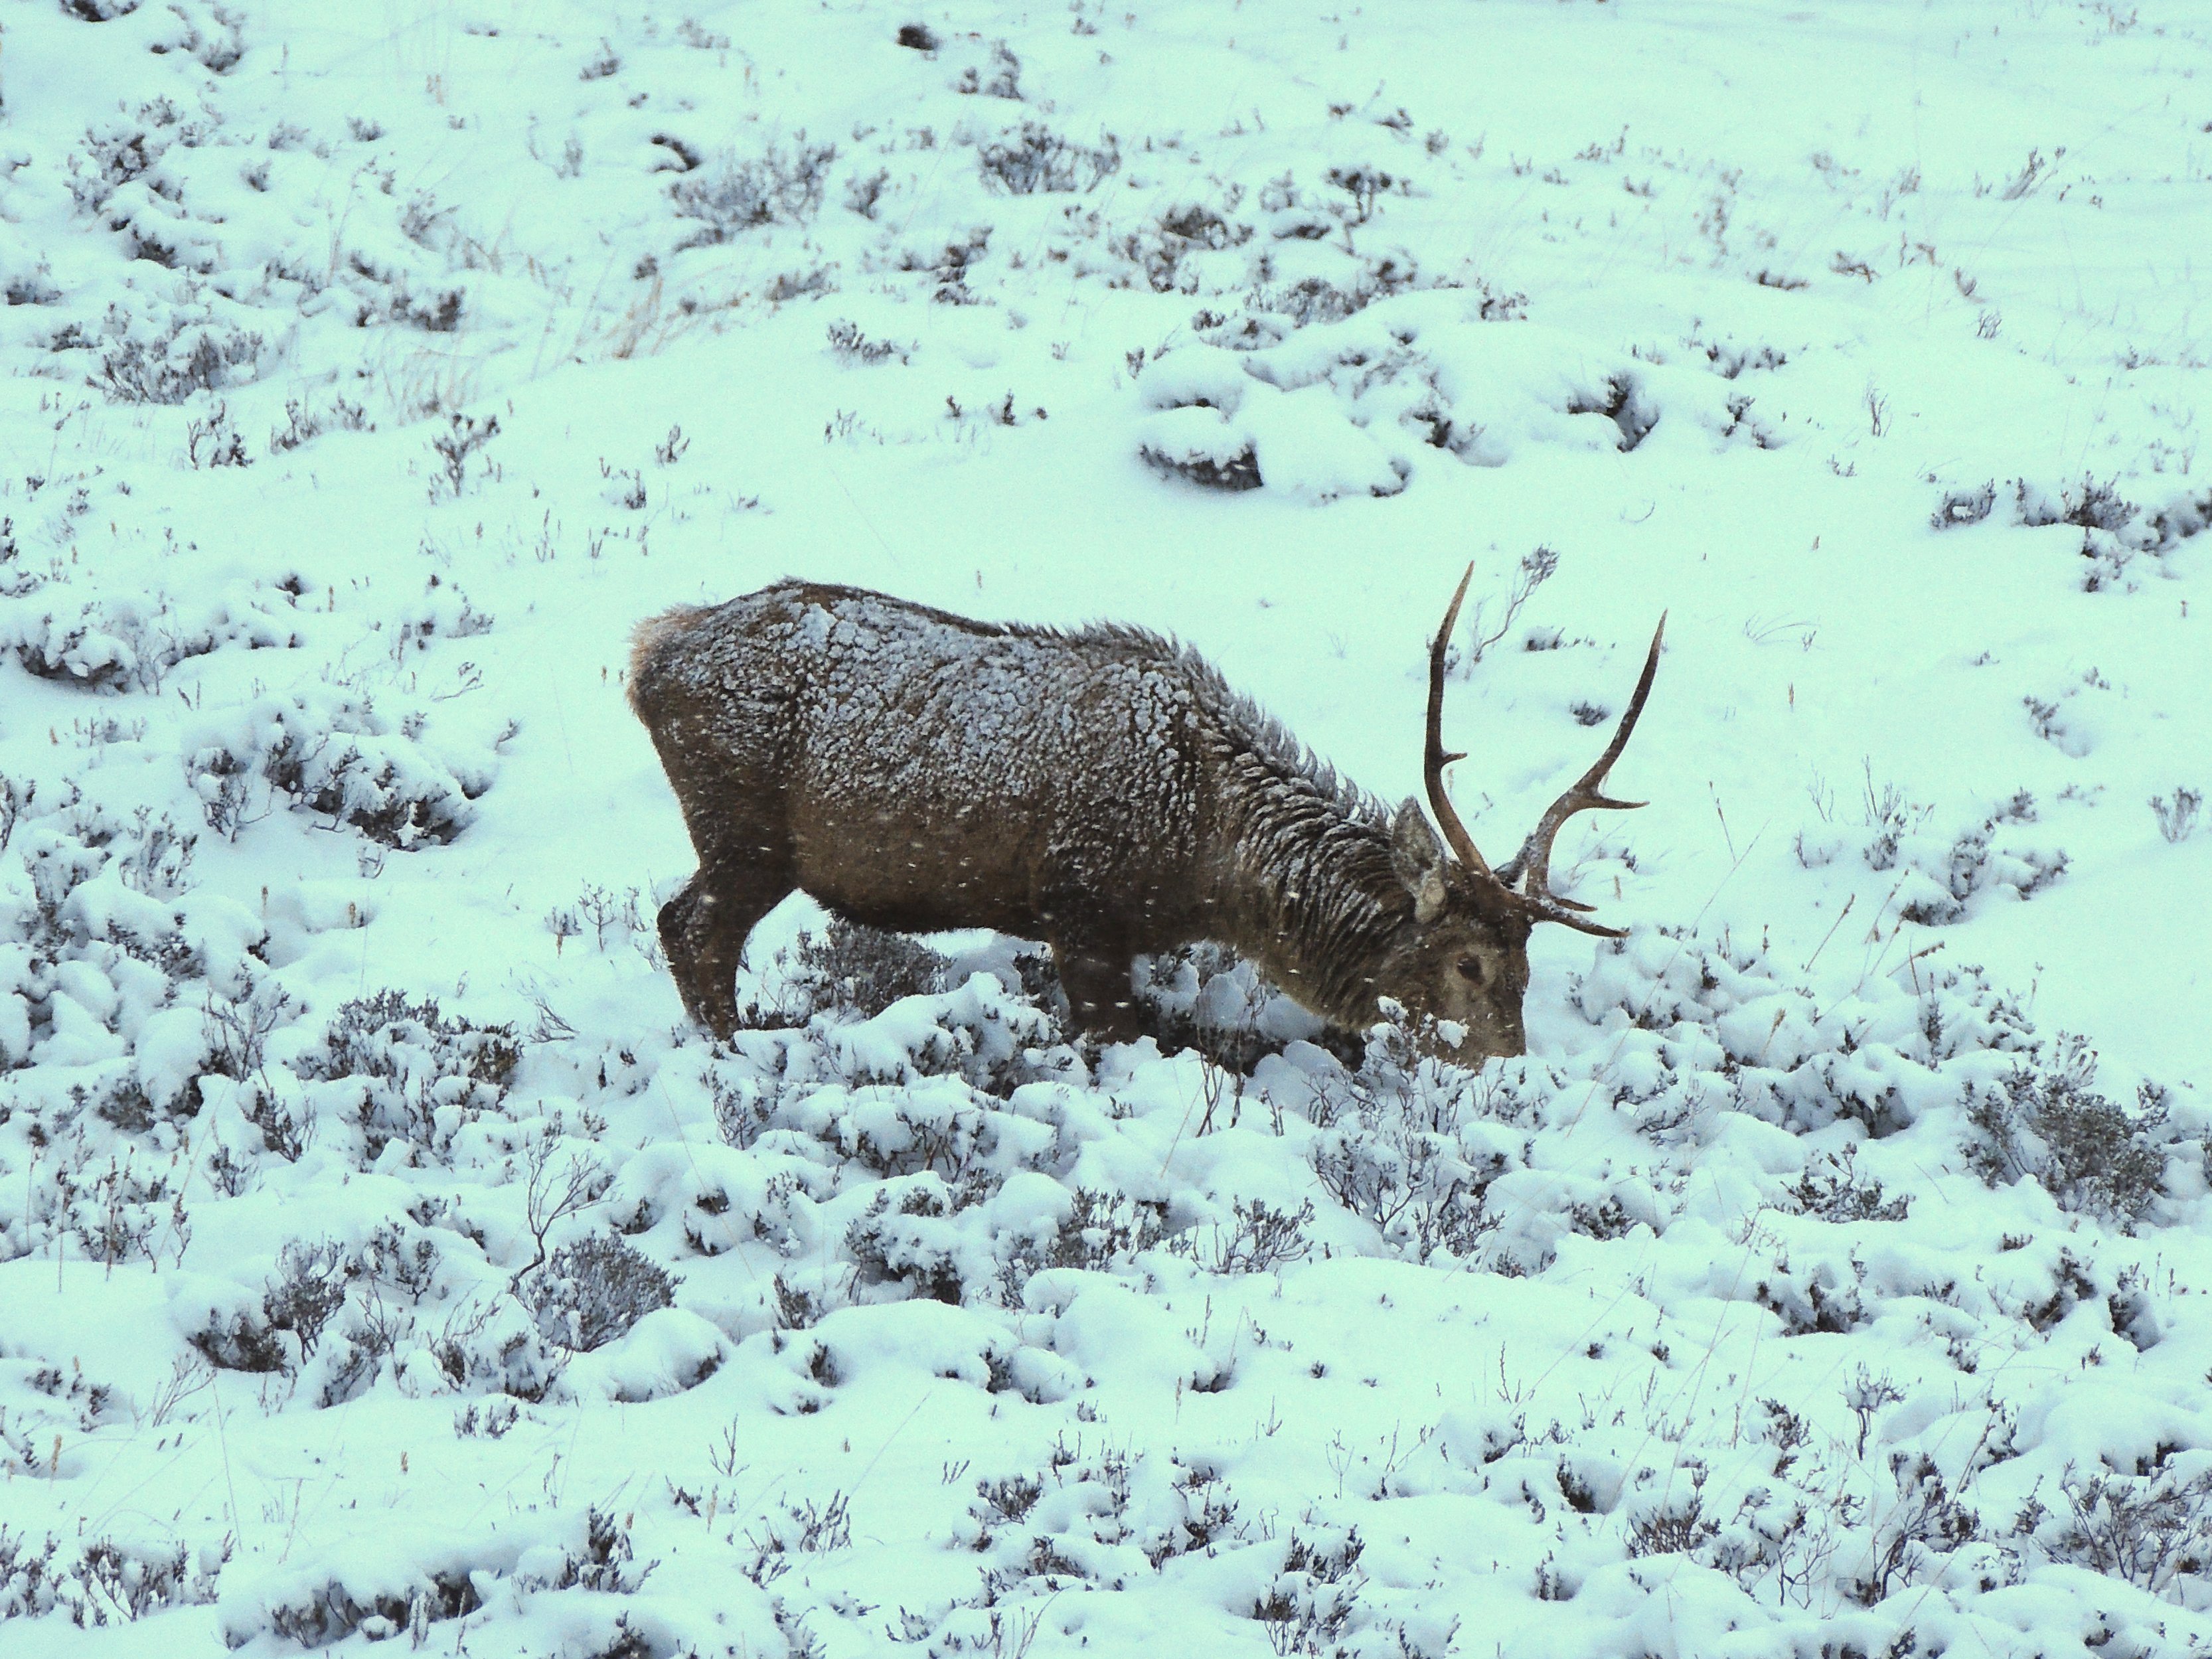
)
(1470, 970)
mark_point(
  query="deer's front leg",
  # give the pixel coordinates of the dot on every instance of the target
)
(1097, 981)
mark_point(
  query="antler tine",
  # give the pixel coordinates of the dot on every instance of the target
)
(1434, 758)
(1530, 869)
(1548, 908)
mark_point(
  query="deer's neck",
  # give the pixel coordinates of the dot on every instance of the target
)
(1303, 883)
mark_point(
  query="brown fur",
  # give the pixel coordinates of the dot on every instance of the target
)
(1102, 789)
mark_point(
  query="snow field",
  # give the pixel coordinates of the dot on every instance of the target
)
(378, 1251)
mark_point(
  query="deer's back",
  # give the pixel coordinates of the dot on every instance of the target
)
(931, 770)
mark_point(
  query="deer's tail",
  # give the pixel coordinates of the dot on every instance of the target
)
(652, 644)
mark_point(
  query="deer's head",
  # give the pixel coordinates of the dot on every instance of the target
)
(1463, 953)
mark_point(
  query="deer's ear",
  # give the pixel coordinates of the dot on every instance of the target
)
(1419, 859)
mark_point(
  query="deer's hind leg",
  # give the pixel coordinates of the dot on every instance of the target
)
(703, 929)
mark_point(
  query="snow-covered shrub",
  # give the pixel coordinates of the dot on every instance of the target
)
(1400, 1147)
(14, 798)
(1882, 1056)
(1621, 400)
(1207, 997)
(1777, 1536)
(892, 1129)
(239, 1029)
(299, 1301)
(1032, 159)
(120, 150)
(2152, 1528)
(602, 1561)
(463, 438)
(973, 1033)
(1171, 247)
(1964, 506)
(303, 422)
(27, 1576)
(1833, 1189)
(496, 1347)
(850, 346)
(1918, 1528)
(932, 1083)
(1101, 1232)
(1319, 413)
(595, 1290)
(214, 36)
(417, 1074)
(798, 1527)
(2182, 517)
(2114, 531)
(1676, 1524)
(1005, 1500)
(850, 968)
(99, 11)
(110, 636)
(1308, 1605)
(1204, 451)
(1973, 865)
(107, 961)
(170, 370)
(1005, 76)
(2091, 504)
(379, 1036)
(116, 1214)
(379, 1597)
(732, 194)
(1257, 1238)
(111, 644)
(407, 1262)
(1821, 1299)
(2048, 1123)
(309, 1289)
(1082, 1516)
(211, 441)
(2177, 818)
(491, 1421)
(1941, 876)
(913, 1241)
(1312, 301)
(111, 1582)
(1109, 1518)
(864, 192)
(159, 855)
(335, 753)
(2070, 1282)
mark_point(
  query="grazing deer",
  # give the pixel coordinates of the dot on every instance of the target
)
(1100, 788)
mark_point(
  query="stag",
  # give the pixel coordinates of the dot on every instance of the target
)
(1103, 789)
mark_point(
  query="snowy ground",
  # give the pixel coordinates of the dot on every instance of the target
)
(378, 1248)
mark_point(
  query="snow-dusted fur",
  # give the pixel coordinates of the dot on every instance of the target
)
(1102, 788)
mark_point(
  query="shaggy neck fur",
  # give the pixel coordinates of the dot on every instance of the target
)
(1303, 881)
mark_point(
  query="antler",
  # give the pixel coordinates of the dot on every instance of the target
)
(1434, 759)
(1530, 869)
